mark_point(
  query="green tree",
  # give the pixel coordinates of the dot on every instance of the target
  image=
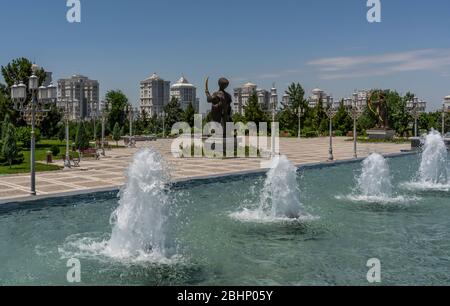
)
(343, 122)
(117, 102)
(288, 116)
(189, 114)
(173, 114)
(82, 139)
(253, 111)
(5, 125)
(61, 131)
(48, 127)
(116, 133)
(5, 104)
(23, 135)
(9, 149)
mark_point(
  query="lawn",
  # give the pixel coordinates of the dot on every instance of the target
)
(41, 155)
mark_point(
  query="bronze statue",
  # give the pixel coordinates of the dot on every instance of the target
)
(377, 105)
(221, 103)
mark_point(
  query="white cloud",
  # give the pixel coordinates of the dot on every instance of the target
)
(381, 65)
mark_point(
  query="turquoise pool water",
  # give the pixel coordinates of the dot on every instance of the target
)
(411, 237)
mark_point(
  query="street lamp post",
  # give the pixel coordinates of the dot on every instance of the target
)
(355, 107)
(331, 111)
(67, 164)
(164, 123)
(33, 112)
(129, 110)
(301, 112)
(415, 108)
(104, 117)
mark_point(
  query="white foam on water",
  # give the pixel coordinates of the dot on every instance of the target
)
(374, 184)
(139, 223)
(280, 198)
(433, 174)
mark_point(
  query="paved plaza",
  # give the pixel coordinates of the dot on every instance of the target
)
(109, 172)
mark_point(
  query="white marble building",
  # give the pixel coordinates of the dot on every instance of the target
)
(82, 96)
(185, 93)
(154, 95)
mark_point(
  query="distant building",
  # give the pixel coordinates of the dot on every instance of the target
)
(243, 94)
(273, 99)
(318, 95)
(447, 104)
(154, 95)
(81, 94)
(186, 93)
(48, 79)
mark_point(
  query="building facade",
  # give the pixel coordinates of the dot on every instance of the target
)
(186, 93)
(81, 94)
(319, 95)
(243, 94)
(447, 104)
(154, 95)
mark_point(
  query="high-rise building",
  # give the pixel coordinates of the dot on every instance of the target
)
(243, 94)
(318, 95)
(155, 94)
(273, 99)
(186, 93)
(447, 104)
(82, 96)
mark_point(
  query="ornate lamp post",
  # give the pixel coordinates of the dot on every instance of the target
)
(34, 111)
(331, 111)
(66, 120)
(415, 108)
(355, 107)
(105, 113)
(301, 112)
(130, 113)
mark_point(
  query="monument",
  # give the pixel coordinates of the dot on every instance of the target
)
(221, 114)
(378, 106)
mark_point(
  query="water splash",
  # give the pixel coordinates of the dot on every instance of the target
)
(139, 223)
(433, 170)
(280, 196)
(374, 184)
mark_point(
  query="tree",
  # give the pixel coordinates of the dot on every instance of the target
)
(342, 121)
(288, 116)
(253, 111)
(48, 127)
(23, 135)
(173, 114)
(5, 125)
(189, 114)
(117, 102)
(61, 131)
(81, 140)
(116, 133)
(5, 105)
(9, 149)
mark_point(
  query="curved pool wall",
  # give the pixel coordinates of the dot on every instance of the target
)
(6, 205)
(410, 239)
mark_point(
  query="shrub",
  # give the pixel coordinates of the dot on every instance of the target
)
(55, 150)
(23, 134)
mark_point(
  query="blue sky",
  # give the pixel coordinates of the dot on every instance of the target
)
(319, 43)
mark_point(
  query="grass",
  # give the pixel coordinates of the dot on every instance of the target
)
(41, 155)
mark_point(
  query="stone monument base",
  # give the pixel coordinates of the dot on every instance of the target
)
(381, 134)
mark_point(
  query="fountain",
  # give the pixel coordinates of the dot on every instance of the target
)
(433, 171)
(139, 223)
(280, 196)
(374, 183)
(375, 179)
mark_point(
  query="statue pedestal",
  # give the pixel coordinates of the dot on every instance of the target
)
(381, 134)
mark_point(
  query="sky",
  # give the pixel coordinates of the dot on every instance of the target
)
(319, 43)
